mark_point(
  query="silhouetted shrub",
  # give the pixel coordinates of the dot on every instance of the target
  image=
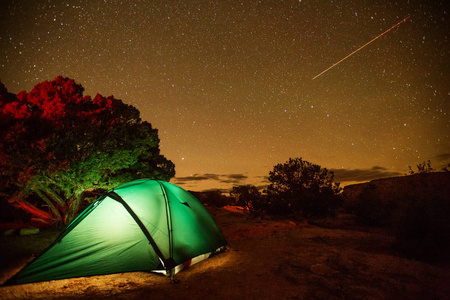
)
(249, 198)
(371, 210)
(299, 186)
(213, 198)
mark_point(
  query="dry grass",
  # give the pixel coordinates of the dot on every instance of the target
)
(267, 259)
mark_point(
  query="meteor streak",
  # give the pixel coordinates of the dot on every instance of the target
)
(334, 65)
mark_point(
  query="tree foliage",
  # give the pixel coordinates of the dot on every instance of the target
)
(55, 144)
(300, 186)
(424, 167)
(249, 198)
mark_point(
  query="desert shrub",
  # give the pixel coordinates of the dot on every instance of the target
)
(250, 198)
(371, 210)
(301, 187)
(279, 204)
(422, 228)
(213, 198)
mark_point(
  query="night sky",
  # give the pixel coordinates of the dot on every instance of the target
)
(229, 85)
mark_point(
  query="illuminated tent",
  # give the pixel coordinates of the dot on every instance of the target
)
(144, 225)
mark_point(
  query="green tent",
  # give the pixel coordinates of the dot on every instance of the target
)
(144, 225)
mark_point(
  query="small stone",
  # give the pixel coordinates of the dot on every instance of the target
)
(29, 231)
(10, 232)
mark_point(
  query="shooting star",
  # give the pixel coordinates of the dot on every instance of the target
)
(334, 65)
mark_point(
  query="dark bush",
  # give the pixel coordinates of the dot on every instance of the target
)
(213, 198)
(250, 198)
(301, 187)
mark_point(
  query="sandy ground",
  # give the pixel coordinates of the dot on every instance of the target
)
(266, 259)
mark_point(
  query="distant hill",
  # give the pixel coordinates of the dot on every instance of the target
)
(421, 185)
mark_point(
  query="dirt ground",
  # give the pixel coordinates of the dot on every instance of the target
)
(266, 259)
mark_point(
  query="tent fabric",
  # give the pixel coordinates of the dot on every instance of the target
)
(144, 225)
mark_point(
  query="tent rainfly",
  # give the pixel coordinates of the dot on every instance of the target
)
(144, 225)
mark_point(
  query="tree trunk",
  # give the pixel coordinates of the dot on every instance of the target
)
(72, 209)
(48, 201)
(40, 215)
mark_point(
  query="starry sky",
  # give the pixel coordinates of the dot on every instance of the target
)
(229, 85)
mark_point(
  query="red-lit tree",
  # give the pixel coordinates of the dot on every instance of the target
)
(55, 144)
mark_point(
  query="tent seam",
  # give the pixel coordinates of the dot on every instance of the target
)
(168, 218)
(113, 195)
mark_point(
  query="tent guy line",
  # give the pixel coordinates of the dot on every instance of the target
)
(333, 65)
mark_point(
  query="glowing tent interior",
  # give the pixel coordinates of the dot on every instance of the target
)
(144, 225)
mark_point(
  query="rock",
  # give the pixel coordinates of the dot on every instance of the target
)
(419, 185)
(9, 232)
(29, 231)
